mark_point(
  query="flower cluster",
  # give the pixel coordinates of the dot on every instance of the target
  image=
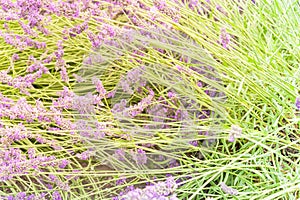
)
(21, 83)
(120, 109)
(139, 156)
(105, 35)
(224, 38)
(76, 30)
(23, 195)
(235, 132)
(133, 80)
(91, 129)
(85, 155)
(297, 103)
(21, 42)
(42, 196)
(167, 10)
(24, 111)
(99, 87)
(228, 189)
(160, 191)
(62, 185)
(14, 163)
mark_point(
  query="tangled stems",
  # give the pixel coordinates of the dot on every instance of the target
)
(201, 90)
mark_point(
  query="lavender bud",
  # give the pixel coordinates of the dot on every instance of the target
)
(228, 190)
(297, 103)
(235, 132)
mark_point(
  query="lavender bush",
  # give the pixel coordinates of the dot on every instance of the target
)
(172, 99)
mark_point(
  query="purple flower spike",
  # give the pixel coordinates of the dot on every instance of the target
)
(224, 38)
(297, 102)
(228, 190)
(160, 190)
(56, 195)
(140, 157)
(235, 132)
(120, 154)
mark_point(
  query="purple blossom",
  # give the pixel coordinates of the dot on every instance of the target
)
(235, 132)
(62, 185)
(160, 190)
(31, 153)
(139, 156)
(10, 135)
(78, 78)
(120, 154)
(37, 66)
(297, 103)
(64, 74)
(173, 163)
(138, 108)
(21, 41)
(76, 30)
(85, 155)
(63, 163)
(99, 86)
(15, 57)
(121, 181)
(23, 196)
(119, 107)
(83, 104)
(228, 189)
(157, 113)
(221, 9)
(194, 143)
(224, 38)
(60, 51)
(22, 83)
(56, 196)
(13, 163)
(133, 80)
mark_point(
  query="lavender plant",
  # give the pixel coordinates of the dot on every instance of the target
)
(100, 98)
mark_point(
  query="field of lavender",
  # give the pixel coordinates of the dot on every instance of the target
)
(149, 99)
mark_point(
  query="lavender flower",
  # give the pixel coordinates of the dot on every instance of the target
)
(10, 135)
(76, 30)
(228, 189)
(120, 154)
(13, 163)
(84, 104)
(157, 112)
(56, 196)
(297, 103)
(119, 107)
(23, 195)
(31, 153)
(133, 80)
(138, 108)
(62, 185)
(22, 83)
(63, 163)
(21, 42)
(139, 156)
(60, 51)
(85, 155)
(235, 132)
(121, 181)
(15, 57)
(158, 191)
(224, 38)
(167, 10)
(99, 86)
(78, 78)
